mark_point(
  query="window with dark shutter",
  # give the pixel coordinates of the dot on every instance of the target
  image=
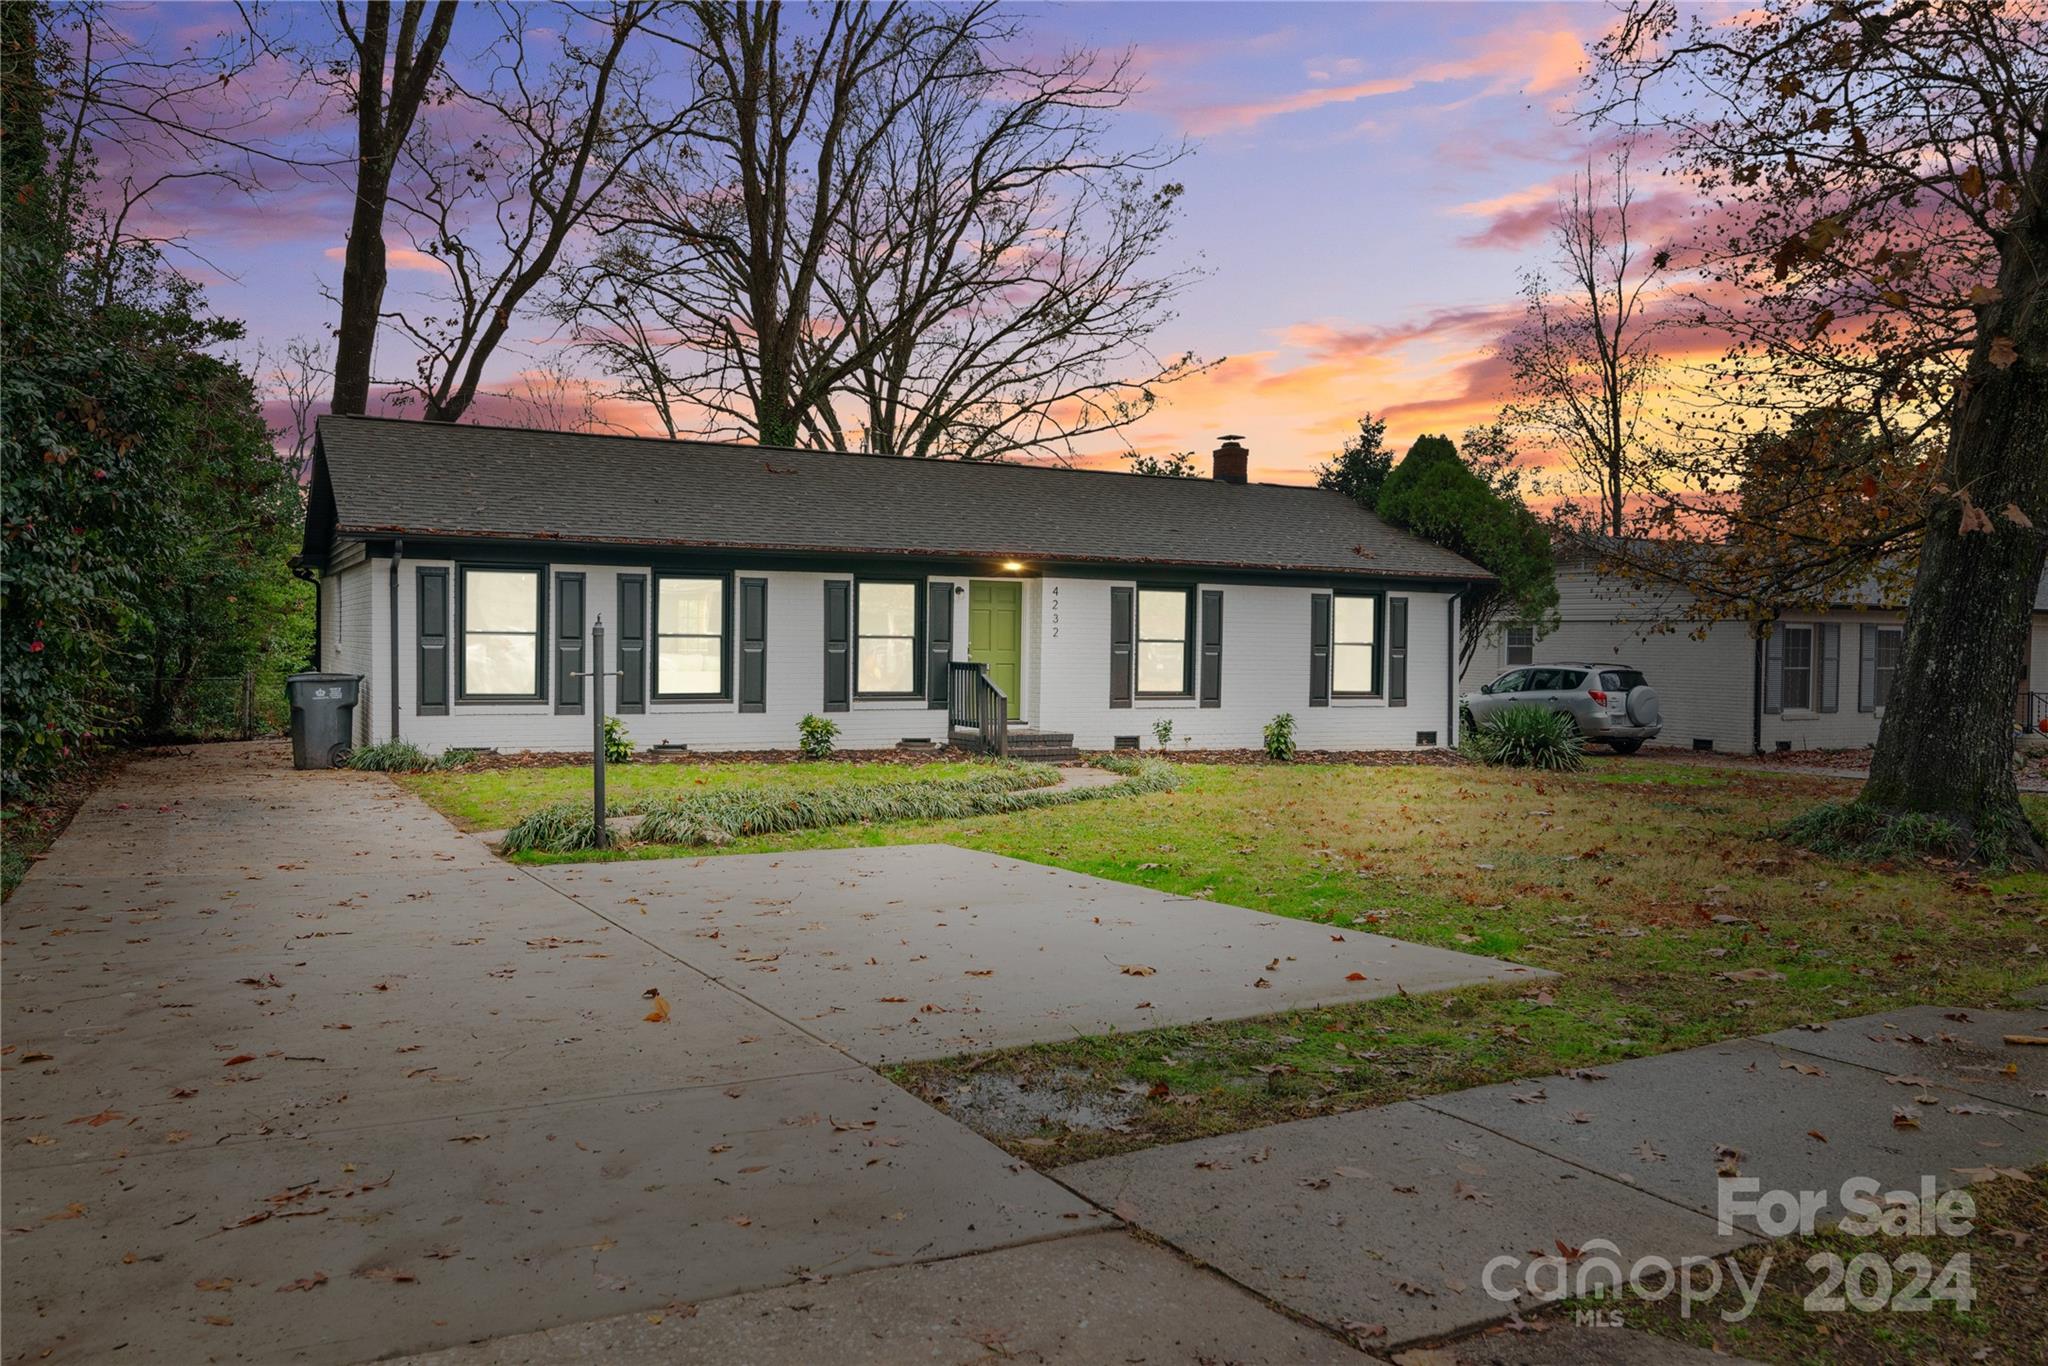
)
(568, 644)
(753, 644)
(938, 632)
(1212, 647)
(1319, 649)
(1122, 621)
(432, 679)
(838, 644)
(1397, 652)
(631, 627)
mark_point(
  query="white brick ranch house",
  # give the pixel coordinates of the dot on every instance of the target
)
(460, 569)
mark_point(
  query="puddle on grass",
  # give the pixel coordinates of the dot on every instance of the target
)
(1064, 1098)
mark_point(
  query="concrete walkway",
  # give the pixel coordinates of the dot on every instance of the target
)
(295, 1073)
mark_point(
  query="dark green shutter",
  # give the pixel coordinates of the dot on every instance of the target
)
(1828, 656)
(568, 643)
(631, 628)
(938, 627)
(753, 644)
(1866, 671)
(1319, 649)
(1122, 629)
(1774, 671)
(838, 644)
(432, 621)
(1397, 652)
(1212, 647)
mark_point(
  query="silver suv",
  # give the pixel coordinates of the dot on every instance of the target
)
(1609, 703)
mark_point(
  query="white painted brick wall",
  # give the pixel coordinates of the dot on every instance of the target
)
(1065, 674)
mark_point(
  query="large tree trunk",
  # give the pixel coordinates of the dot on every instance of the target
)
(1946, 746)
(362, 300)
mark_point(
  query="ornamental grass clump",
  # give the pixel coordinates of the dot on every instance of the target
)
(391, 756)
(559, 829)
(1528, 737)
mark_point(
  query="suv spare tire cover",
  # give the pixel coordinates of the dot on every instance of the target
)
(1642, 706)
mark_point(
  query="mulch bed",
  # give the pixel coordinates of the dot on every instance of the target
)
(560, 758)
(1356, 758)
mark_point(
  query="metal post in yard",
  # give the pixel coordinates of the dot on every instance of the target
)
(249, 705)
(603, 831)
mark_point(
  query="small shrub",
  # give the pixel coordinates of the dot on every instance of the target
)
(1162, 732)
(814, 737)
(391, 756)
(1280, 737)
(618, 746)
(456, 758)
(1528, 737)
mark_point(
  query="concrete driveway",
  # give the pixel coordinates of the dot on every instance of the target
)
(295, 1072)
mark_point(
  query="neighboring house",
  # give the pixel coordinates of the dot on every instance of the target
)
(1820, 680)
(460, 569)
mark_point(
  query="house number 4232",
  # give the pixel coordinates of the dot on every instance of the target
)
(1055, 591)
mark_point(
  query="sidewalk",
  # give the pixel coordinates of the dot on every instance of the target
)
(1384, 1221)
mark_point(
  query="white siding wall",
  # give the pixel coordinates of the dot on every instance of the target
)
(1265, 672)
(1065, 673)
(1705, 684)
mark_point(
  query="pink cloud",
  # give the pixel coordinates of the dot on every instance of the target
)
(397, 258)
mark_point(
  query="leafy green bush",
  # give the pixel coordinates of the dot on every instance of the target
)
(1280, 737)
(814, 737)
(456, 758)
(1162, 731)
(618, 746)
(1528, 737)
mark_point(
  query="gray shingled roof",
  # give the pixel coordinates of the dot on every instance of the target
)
(429, 479)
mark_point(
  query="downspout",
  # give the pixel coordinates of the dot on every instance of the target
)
(397, 554)
(305, 575)
(1451, 667)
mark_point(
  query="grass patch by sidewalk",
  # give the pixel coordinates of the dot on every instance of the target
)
(494, 798)
(1652, 888)
(2007, 1248)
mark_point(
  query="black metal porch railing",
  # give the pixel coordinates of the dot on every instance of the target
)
(2034, 710)
(976, 705)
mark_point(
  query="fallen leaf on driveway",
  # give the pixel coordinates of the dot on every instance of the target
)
(1354, 977)
(1903, 1118)
(312, 1282)
(94, 1121)
(239, 1059)
(469, 1138)
(1905, 1079)
(1804, 1069)
(739, 1221)
(658, 1015)
(215, 1283)
(387, 1273)
(847, 1126)
(220, 1320)
(1136, 970)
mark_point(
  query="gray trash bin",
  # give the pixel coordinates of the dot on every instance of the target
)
(323, 717)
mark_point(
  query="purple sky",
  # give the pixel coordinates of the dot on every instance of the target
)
(1367, 180)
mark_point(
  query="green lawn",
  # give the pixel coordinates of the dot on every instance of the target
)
(1649, 887)
(494, 798)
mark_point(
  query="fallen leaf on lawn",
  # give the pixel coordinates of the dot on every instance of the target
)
(1136, 970)
(312, 1282)
(1752, 975)
(658, 1015)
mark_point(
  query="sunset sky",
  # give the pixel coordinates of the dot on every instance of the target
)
(1367, 181)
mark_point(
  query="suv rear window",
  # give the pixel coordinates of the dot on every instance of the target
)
(1554, 680)
(1623, 680)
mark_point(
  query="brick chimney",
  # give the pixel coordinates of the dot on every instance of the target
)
(1232, 461)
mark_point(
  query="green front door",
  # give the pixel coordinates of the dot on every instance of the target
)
(995, 635)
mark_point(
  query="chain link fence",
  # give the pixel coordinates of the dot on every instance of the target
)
(247, 706)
